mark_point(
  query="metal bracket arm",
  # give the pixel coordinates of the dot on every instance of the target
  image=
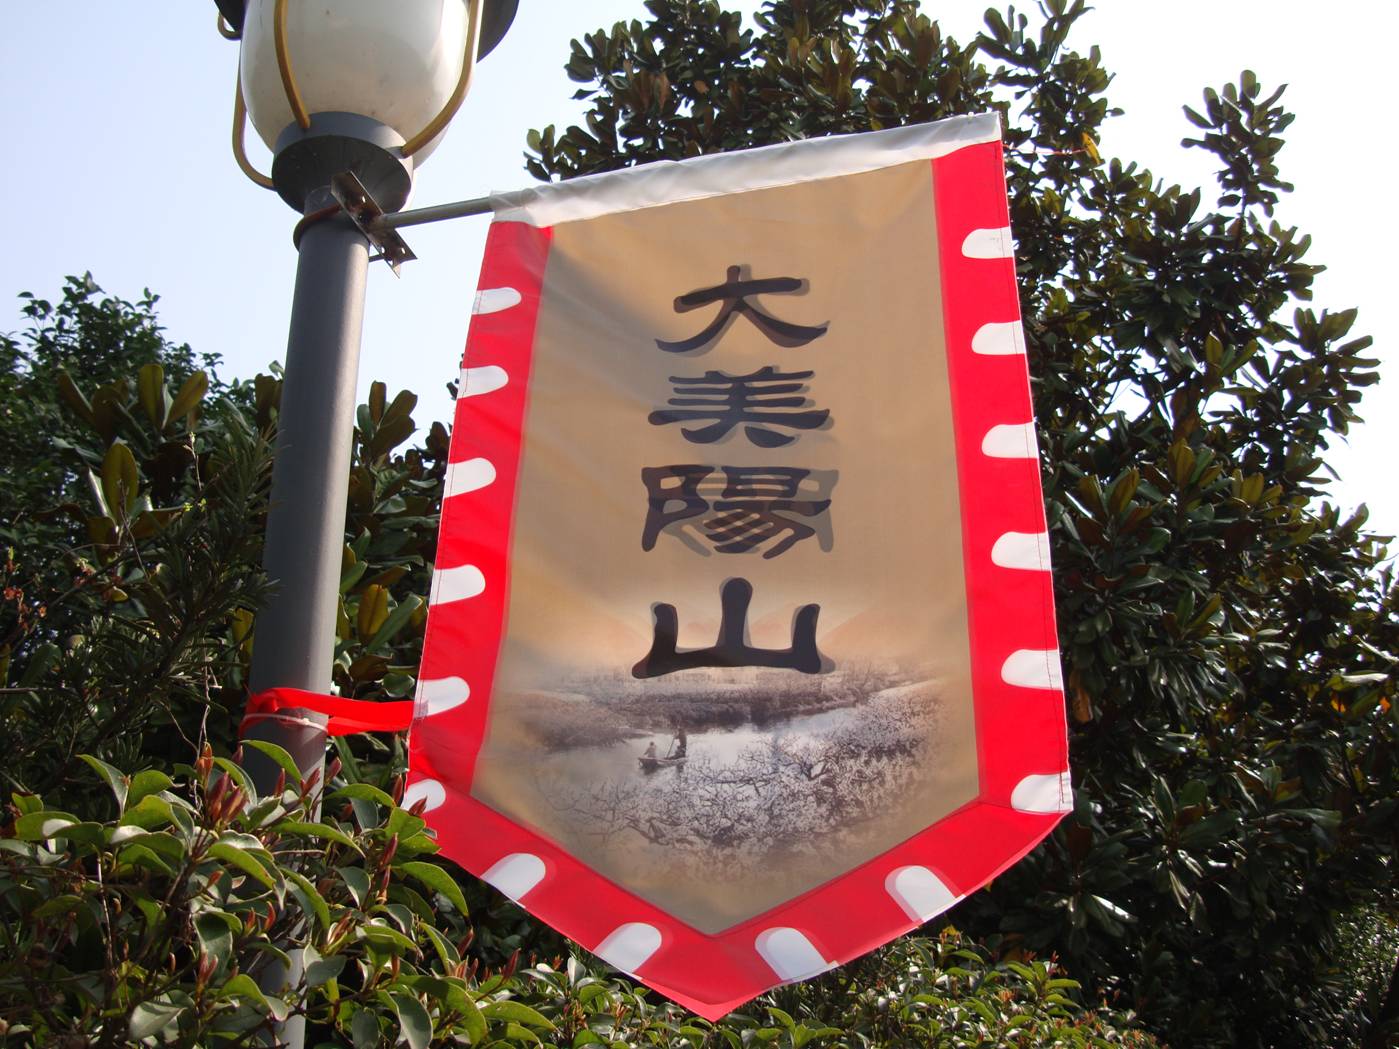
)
(366, 214)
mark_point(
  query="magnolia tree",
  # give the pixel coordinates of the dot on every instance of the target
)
(1228, 634)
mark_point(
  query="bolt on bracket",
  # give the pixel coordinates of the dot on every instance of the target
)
(366, 214)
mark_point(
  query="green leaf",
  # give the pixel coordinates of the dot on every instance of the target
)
(446, 953)
(121, 480)
(517, 1012)
(517, 1034)
(404, 824)
(245, 861)
(387, 939)
(37, 826)
(155, 1017)
(319, 831)
(364, 1030)
(58, 905)
(436, 879)
(215, 937)
(94, 483)
(150, 812)
(68, 390)
(239, 777)
(135, 854)
(403, 404)
(26, 803)
(357, 881)
(114, 779)
(781, 1017)
(243, 986)
(312, 903)
(362, 792)
(165, 845)
(150, 389)
(396, 621)
(278, 755)
(472, 1020)
(352, 575)
(320, 970)
(416, 1025)
(191, 393)
(147, 782)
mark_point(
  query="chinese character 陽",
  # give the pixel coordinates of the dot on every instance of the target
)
(755, 506)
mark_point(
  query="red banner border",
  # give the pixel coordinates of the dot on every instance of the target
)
(1017, 693)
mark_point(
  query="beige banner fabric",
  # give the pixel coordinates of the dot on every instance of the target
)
(730, 479)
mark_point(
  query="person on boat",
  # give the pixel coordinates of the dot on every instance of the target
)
(650, 754)
(682, 743)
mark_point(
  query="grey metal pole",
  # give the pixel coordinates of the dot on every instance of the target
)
(294, 640)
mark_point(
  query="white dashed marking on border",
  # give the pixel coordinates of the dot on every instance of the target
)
(627, 947)
(468, 476)
(486, 379)
(456, 584)
(790, 954)
(1024, 550)
(989, 244)
(999, 339)
(516, 874)
(428, 790)
(493, 300)
(1033, 668)
(1010, 441)
(920, 892)
(1045, 794)
(438, 695)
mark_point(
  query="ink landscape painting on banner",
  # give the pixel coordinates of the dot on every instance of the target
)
(741, 656)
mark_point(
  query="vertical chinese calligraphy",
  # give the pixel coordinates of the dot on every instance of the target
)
(758, 505)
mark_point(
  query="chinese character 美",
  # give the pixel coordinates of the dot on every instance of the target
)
(759, 401)
(731, 648)
(733, 293)
(749, 511)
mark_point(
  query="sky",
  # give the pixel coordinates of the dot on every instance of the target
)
(116, 118)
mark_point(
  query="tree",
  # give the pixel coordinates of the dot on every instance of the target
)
(139, 908)
(1229, 635)
(132, 533)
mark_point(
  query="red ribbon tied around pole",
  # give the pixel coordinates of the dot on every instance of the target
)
(346, 716)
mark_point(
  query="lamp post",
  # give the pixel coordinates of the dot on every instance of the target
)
(362, 88)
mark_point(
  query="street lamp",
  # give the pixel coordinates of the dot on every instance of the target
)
(351, 97)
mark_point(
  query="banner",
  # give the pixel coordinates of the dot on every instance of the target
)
(741, 657)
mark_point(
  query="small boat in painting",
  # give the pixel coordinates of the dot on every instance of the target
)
(675, 757)
(654, 764)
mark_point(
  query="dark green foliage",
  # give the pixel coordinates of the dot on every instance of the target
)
(133, 539)
(135, 545)
(155, 925)
(1229, 636)
(394, 503)
(87, 339)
